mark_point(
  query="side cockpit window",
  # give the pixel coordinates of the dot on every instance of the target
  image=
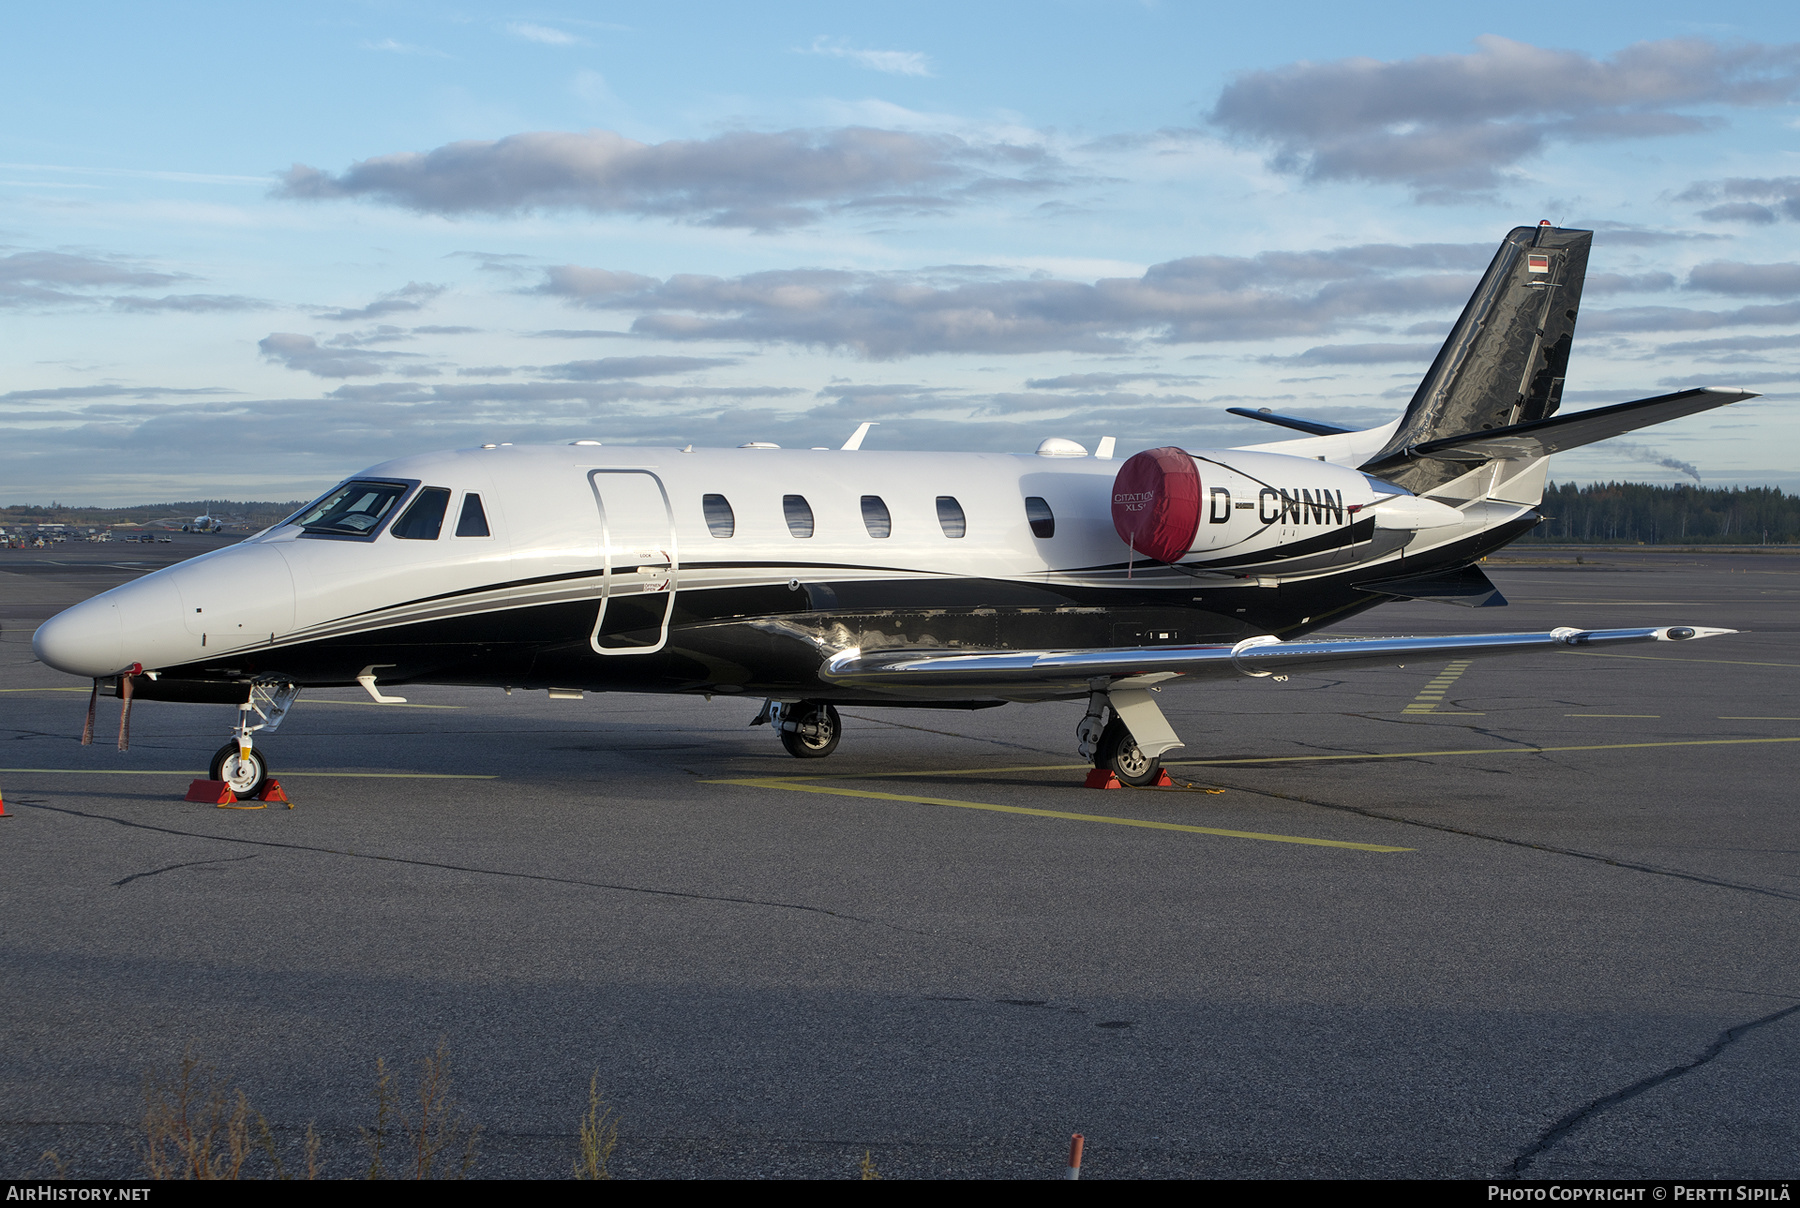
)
(720, 520)
(473, 521)
(424, 520)
(1043, 520)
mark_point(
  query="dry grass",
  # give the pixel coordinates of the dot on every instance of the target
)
(429, 1138)
(599, 1136)
(867, 1169)
(197, 1127)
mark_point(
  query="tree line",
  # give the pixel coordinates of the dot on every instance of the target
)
(1631, 512)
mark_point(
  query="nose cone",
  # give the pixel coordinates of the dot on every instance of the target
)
(137, 623)
(87, 640)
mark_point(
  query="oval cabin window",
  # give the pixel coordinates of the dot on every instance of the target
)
(720, 521)
(875, 516)
(950, 516)
(799, 515)
(1043, 520)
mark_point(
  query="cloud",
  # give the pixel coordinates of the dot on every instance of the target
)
(629, 367)
(539, 392)
(1359, 354)
(1106, 381)
(1627, 283)
(1731, 277)
(1759, 201)
(192, 303)
(1676, 318)
(404, 48)
(543, 34)
(759, 181)
(883, 316)
(893, 62)
(581, 334)
(1729, 348)
(66, 393)
(40, 278)
(305, 353)
(1451, 125)
(412, 296)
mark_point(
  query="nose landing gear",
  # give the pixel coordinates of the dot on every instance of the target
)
(238, 763)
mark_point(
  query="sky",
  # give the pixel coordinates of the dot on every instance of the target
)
(248, 250)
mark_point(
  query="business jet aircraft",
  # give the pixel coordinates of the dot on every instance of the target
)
(816, 578)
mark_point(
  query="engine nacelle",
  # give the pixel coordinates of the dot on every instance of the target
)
(1169, 505)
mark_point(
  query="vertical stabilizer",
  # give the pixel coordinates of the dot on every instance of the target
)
(1504, 361)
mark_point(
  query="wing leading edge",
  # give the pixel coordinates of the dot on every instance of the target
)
(1027, 673)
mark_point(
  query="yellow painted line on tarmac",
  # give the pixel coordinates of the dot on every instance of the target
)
(191, 773)
(800, 787)
(1661, 658)
(375, 705)
(1759, 719)
(303, 700)
(1346, 756)
(1433, 693)
(1605, 746)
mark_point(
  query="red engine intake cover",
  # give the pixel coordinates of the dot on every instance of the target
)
(1156, 503)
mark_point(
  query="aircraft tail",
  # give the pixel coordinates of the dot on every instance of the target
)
(1504, 361)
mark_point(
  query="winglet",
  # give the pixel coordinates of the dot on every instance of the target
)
(856, 437)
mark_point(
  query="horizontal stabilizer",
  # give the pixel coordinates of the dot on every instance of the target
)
(1468, 588)
(1039, 674)
(1311, 427)
(1542, 437)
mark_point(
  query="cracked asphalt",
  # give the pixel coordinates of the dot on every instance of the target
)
(1579, 964)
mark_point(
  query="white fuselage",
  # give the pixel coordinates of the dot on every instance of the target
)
(585, 523)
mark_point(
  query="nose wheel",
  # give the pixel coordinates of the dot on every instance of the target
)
(809, 730)
(245, 776)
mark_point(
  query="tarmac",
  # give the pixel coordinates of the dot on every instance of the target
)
(1532, 916)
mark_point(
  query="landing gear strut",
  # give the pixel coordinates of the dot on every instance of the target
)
(809, 729)
(238, 763)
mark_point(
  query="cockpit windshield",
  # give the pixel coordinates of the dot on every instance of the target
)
(355, 509)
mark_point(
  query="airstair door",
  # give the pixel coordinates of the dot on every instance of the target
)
(638, 529)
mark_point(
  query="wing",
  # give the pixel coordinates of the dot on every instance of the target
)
(1038, 674)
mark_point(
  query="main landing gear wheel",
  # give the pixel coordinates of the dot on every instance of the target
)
(810, 730)
(246, 777)
(1118, 753)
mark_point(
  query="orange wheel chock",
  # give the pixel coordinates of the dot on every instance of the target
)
(211, 792)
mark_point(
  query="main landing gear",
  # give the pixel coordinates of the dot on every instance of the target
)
(1126, 734)
(238, 763)
(809, 729)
